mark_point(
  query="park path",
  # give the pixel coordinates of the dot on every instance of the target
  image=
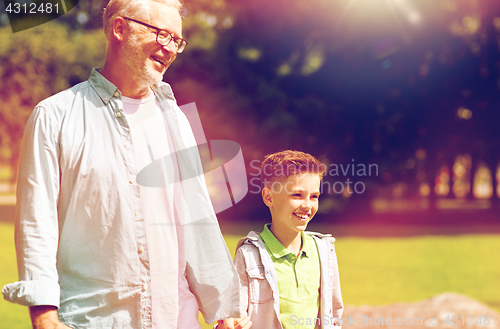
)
(444, 311)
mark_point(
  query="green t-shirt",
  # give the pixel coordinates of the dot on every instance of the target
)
(298, 281)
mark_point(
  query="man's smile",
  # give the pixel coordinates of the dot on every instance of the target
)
(159, 60)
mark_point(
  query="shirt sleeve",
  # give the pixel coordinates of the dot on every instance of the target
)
(239, 263)
(337, 304)
(209, 269)
(36, 227)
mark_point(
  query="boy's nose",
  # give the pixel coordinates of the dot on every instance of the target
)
(306, 205)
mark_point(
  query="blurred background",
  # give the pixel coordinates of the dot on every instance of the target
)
(399, 98)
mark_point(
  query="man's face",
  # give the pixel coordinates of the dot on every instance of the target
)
(144, 57)
(294, 202)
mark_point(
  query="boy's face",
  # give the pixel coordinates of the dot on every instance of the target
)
(293, 202)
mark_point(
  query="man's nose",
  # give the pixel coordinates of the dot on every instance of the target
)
(171, 47)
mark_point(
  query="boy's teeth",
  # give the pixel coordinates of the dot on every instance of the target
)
(304, 216)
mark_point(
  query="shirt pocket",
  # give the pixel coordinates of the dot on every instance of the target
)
(260, 289)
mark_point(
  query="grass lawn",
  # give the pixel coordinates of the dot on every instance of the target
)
(372, 271)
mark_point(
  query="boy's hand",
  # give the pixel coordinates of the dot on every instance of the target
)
(232, 323)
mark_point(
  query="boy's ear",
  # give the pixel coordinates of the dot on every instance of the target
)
(267, 196)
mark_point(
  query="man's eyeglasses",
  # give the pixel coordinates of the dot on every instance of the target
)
(163, 37)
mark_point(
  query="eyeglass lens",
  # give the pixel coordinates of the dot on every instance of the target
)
(164, 38)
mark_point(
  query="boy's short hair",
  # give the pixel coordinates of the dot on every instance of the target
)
(283, 164)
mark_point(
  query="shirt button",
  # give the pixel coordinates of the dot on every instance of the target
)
(118, 114)
(137, 214)
(144, 287)
(116, 94)
(131, 181)
(127, 146)
(140, 250)
(106, 98)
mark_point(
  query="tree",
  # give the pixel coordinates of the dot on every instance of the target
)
(36, 64)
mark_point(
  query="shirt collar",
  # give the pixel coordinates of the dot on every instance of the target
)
(102, 86)
(163, 89)
(276, 248)
(306, 245)
(106, 89)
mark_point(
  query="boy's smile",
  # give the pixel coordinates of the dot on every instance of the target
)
(293, 203)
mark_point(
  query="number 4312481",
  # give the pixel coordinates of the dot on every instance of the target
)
(32, 8)
(471, 320)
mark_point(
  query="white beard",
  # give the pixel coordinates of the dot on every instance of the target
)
(138, 63)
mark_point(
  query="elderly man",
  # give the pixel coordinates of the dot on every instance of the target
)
(95, 248)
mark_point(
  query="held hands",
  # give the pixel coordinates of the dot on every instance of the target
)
(46, 317)
(233, 323)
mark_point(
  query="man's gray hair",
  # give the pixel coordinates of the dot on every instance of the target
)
(138, 9)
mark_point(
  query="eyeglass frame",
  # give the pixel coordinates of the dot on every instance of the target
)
(158, 30)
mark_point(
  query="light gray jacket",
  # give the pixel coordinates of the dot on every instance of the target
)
(259, 287)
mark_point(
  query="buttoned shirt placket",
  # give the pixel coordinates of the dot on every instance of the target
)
(116, 105)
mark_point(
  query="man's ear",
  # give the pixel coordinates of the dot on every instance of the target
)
(267, 196)
(119, 28)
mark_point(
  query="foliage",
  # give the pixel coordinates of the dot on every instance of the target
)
(36, 64)
(349, 79)
(354, 79)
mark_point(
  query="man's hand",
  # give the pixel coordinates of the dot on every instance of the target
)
(46, 317)
(240, 323)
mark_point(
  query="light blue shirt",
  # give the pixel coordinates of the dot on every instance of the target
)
(80, 235)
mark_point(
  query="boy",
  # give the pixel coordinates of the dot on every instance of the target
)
(288, 277)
